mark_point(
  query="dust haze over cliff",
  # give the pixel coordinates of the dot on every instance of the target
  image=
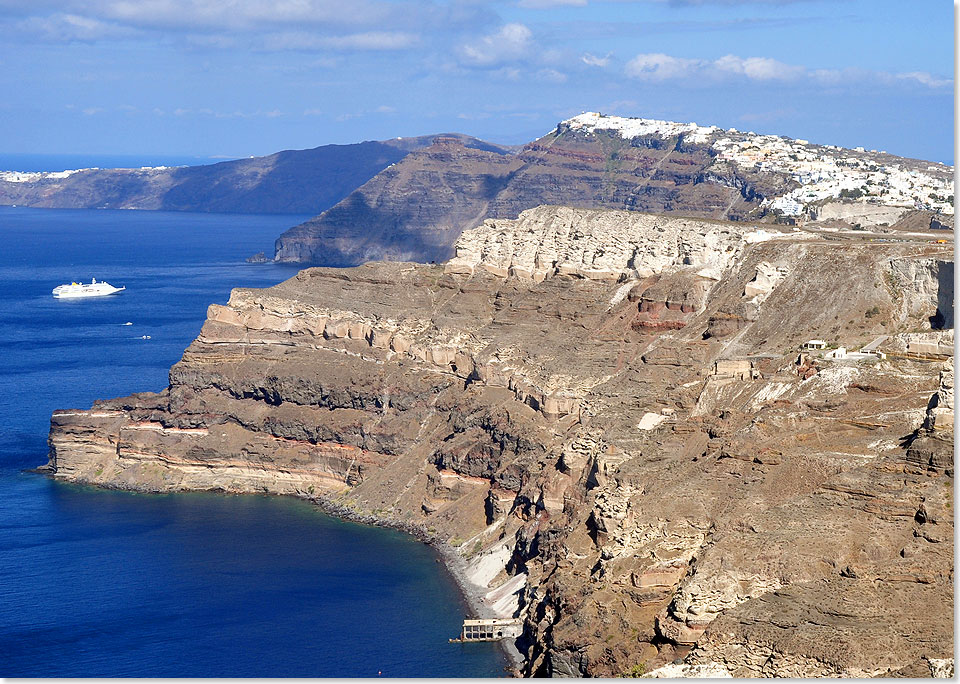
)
(607, 419)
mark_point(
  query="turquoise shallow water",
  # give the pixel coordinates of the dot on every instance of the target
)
(102, 583)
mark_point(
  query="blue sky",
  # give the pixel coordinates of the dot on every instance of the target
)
(246, 77)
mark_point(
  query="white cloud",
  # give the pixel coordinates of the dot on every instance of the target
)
(827, 76)
(924, 78)
(207, 111)
(66, 28)
(593, 60)
(371, 40)
(511, 42)
(257, 24)
(212, 41)
(551, 76)
(657, 67)
(759, 68)
(248, 14)
(549, 4)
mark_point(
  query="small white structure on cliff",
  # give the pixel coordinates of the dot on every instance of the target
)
(490, 630)
(838, 353)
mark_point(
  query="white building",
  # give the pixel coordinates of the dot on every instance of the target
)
(838, 353)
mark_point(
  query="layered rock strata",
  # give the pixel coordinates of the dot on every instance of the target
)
(636, 481)
(600, 245)
(417, 208)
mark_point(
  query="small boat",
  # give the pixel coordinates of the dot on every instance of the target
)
(92, 289)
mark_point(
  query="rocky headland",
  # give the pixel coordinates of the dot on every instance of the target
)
(417, 208)
(607, 420)
(287, 182)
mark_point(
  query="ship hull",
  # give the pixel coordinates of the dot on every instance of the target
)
(85, 293)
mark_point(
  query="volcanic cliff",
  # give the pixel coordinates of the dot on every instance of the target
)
(287, 182)
(609, 418)
(417, 208)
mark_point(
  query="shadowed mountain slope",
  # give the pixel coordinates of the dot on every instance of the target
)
(416, 209)
(288, 182)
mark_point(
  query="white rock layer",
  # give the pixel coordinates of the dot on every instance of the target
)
(597, 244)
(684, 671)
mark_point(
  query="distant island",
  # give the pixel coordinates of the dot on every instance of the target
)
(417, 208)
(411, 198)
(288, 182)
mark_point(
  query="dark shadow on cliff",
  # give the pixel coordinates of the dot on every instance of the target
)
(943, 319)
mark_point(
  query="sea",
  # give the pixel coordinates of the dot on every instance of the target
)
(98, 583)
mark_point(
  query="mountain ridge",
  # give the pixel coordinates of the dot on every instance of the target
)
(286, 182)
(609, 162)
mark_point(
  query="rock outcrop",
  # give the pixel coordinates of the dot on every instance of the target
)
(597, 244)
(418, 208)
(637, 490)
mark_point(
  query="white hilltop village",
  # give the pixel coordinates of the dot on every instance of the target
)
(823, 172)
(876, 186)
(34, 176)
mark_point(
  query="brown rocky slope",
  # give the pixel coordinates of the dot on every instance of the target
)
(604, 414)
(416, 209)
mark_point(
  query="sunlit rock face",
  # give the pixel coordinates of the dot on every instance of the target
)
(417, 208)
(608, 419)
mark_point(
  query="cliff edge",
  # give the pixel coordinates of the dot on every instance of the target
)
(609, 422)
(416, 209)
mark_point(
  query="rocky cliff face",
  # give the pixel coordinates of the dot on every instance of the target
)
(288, 182)
(604, 414)
(410, 211)
(601, 245)
(418, 208)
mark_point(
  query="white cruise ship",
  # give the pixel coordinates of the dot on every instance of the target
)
(92, 289)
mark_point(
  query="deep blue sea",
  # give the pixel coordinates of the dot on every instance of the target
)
(102, 584)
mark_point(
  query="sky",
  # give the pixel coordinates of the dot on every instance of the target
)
(233, 78)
